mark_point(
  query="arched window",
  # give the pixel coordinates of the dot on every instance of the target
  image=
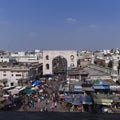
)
(72, 65)
(72, 57)
(47, 57)
(47, 66)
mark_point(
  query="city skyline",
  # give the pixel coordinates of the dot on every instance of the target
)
(65, 24)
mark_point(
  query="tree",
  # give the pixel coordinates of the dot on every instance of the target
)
(118, 65)
(110, 64)
(102, 64)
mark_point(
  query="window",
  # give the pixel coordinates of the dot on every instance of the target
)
(72, 65)
(12, 84)
(4, 66)
(72, 57)
(18, 74)
(4, 71)
(4, 74)
(47, 66)
(11, 74)
(47, 57)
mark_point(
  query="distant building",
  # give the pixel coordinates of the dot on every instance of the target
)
(4, 58)
(27, 57)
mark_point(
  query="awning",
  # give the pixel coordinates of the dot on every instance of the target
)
(36, 82)
(101, 87)
(68, 98)
(76, 102)
(86, 99)
(87, 89)
(14, 91)
(27, 91)
(115, 88)
(99, 82)
(103, 101)
(78, 90)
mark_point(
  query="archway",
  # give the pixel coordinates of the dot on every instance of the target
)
(59, 66)
(78, 63)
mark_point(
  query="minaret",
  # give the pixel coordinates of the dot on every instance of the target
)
(92, 59)
(115, 67)
(115, 63)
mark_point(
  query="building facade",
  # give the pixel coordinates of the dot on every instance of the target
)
(11, 75)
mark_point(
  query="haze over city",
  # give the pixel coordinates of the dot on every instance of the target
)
(59, 24)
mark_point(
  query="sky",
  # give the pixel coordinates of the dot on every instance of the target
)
(59, 24)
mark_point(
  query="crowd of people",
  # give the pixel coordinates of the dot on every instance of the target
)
(45, 98)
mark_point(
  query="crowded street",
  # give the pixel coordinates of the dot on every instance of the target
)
(45, 99)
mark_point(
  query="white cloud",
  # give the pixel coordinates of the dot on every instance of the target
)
(32, 34)
(71, 20)
(92, 26)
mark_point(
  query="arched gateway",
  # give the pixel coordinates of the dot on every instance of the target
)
(59, 65)
(55, 62)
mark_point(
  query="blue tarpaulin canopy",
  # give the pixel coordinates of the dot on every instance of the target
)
(76, 102)
(100, 84)
(68, 98)
(78, 88)
(36, 82)
(77, 99)
(105, 87)
(86, 99)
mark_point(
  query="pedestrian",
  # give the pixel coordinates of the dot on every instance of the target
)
(41, 110)
(55, 104)
(52, 107)
(38, 99)
(46, 101)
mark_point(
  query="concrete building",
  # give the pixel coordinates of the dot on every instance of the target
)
(4, 58)
(28, 56)
(70, 56)
(11, 75)
(27, 59)
(92, 72)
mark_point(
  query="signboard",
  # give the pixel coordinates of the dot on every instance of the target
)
(103, 101)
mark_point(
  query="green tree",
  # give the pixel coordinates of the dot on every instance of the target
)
(102, 64)
(110, 64)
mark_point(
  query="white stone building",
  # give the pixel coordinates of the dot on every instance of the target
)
(27, 57)
(13, 74)
(4, 59)
(50, 55)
